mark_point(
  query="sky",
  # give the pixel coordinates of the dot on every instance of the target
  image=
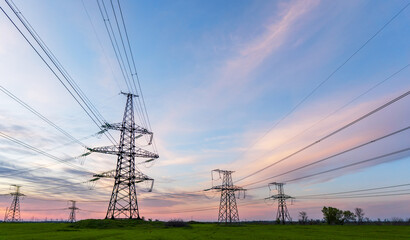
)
(235, 85)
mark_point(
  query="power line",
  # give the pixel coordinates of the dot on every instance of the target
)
(351, 165)
(48, 165)
(41, 152)
(367, 196)
(337, 110)
(128, 61)
(327, 78)
(359, 194)
(330, 134)
(47, 64)
(113, 40)
(341, 167)
(52, 57)
(334, 155)
(255, 202)
(132, 87)
(101, 45)
(354, 191)
(83, 210)
(43, 210)
(45, 181)
(140, 107)
(92, 111)
(34, 168)
(117, 50)
(136, 73)
(42, 117)
(132, 81)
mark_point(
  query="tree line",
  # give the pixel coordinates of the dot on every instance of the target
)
(335, 216)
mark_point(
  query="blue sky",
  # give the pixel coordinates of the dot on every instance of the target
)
(216, 76)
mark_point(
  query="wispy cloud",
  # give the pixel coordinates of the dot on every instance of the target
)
(250, 55)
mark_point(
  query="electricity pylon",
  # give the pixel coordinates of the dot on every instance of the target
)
(13, 212)
(282, 214)
(123, 202)
(73, 208)
(228, 210)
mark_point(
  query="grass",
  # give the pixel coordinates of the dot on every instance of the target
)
(108, 229)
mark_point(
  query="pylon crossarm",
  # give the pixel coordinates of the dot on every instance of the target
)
(230, 188)
(142, 153)
(105, 149)
(17, 194)
(139, 152)
(281, 196)
(108, 174)
(222, 171)
(119, 127)
(140, 177)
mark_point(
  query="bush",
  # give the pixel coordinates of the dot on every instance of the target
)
(176, 223)
(107, 223)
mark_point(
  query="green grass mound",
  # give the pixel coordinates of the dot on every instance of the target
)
(113, 224)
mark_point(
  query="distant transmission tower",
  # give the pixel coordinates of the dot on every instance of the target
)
(228, 210)
(13, 212)
(73, 208)
(282, 214)
(123, 202)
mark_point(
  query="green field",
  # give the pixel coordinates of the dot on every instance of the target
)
(157, 230)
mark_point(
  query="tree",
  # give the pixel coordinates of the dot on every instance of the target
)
(332, 215)
(303, 217)
(348, 216)
(337, 216)
(359, 214)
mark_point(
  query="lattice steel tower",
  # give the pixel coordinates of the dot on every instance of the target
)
(282, 214)
(123, 202)
(228, 210)
(13, 212)
(73, 208)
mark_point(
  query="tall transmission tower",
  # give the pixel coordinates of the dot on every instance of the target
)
(228, 210)
(123, 202)
(282, 214)
(73, 208)
(13, 212)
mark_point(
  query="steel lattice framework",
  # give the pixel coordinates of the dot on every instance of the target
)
(282, 214)
(13, 212)
(73, 208)
(228, 210)
(123, 202)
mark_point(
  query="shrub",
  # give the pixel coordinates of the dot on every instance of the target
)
(176, 223)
